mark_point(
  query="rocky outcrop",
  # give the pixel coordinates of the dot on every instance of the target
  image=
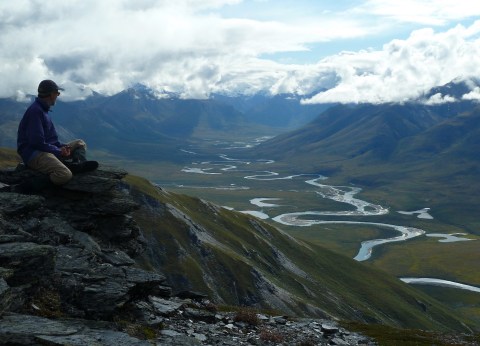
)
(68, 276)
(68, 252)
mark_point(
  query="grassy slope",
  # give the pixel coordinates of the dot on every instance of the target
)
(8, 158)
(336, 284)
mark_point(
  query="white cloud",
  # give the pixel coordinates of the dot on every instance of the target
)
(187, 46)
(473, 95)
(438, 99)
(404, 69)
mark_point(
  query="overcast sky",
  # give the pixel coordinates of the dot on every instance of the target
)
(361, 51)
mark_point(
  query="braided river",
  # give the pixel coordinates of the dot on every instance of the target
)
(307, 218)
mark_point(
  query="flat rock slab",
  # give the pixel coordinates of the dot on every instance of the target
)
(329, 329)
(98, 181)
(140, 276)
(111, 172)
(94, 337)
(31, 330)
(90, 183)
(165, 307)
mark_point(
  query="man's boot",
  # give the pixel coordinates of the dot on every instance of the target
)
(82, 167)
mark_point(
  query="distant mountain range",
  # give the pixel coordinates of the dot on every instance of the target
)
(135, 121)
(283, 111)
(137, 116)
(387, 132)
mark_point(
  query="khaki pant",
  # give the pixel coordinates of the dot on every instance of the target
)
(48, 163)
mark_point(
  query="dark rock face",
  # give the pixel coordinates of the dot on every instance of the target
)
(68, 252)
(68, 276)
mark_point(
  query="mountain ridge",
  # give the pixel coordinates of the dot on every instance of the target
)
(140, 114)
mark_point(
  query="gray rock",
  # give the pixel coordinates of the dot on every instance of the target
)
(22, 329)
(116, 228)
(5, 273)
(102, 298)
(14, 203)
(3, 287)
(143, 312)
(15, 176)
(90, 183)
(329, 329)
(116, 205)
(139, 276)
(10, 238)
(28, 261)
(165, 307)
(163, 291)
(51, 227)
(32, 330)
(280, 319)
(199, 315)
(170, 333)
(180, 340)
(199, 337)
(73, 260)
(116, 257)
(338, 341)
(111, 172)
(5, 295)
(90, 337)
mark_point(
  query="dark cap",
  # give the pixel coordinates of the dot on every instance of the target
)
(46, 87)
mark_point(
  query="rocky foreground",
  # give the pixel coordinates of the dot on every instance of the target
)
(68, 276)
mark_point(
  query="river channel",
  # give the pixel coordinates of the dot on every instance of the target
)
(341, 194)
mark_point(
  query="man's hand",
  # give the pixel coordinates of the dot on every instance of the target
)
(65, 151)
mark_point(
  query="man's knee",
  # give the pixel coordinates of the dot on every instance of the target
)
(78, 143)
(47, 163)
(61, 176)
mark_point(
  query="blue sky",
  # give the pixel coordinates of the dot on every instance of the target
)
(360, 51)
(376, 29)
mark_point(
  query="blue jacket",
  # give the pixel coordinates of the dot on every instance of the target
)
(36, 132)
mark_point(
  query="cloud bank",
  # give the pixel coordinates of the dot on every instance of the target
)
(190, 48)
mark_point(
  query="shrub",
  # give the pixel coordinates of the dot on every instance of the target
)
(268, 335)
(248, 316)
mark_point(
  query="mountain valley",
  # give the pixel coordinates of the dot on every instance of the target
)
(225, 176)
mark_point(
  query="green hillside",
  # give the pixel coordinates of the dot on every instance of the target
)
(240, 260)
(8, 158)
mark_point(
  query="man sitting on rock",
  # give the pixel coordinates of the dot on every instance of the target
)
(40, 149)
